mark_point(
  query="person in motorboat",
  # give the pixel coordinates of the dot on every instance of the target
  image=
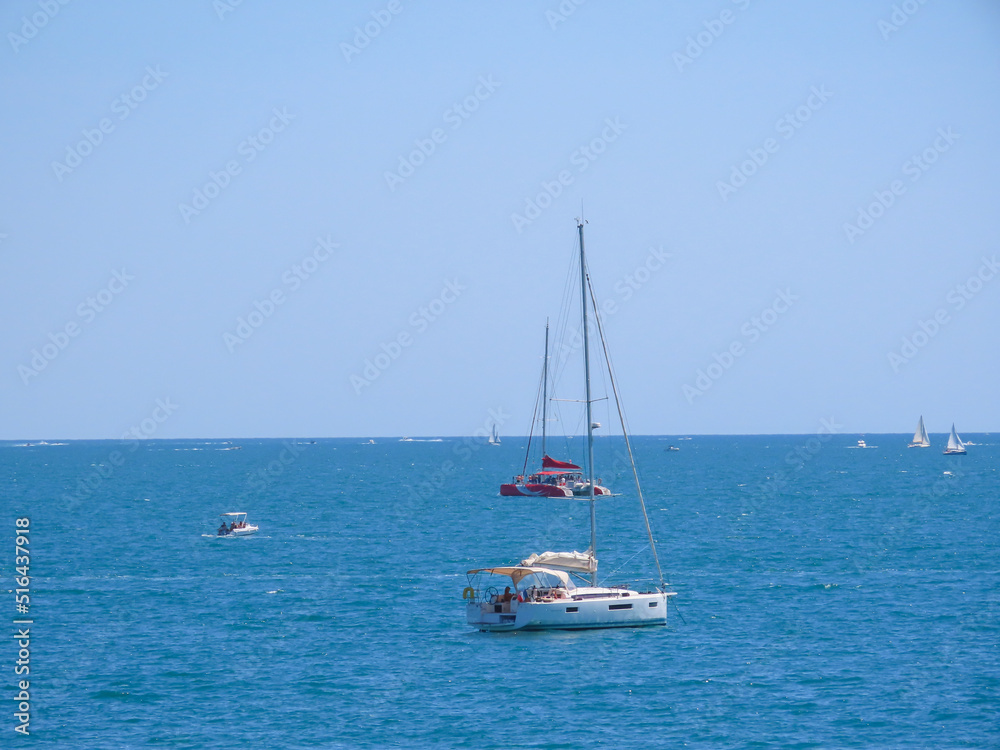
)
(223, 530)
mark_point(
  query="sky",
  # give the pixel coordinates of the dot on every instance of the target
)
(223, 219)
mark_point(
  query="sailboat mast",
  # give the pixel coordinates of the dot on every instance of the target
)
(590, 421)
(545, 383)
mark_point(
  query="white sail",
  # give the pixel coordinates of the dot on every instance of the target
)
(920, 439)
(954, 442)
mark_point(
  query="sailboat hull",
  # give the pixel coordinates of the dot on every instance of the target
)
(611, 610)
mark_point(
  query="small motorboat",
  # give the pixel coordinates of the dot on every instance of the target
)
(861, 444)
(238, 525)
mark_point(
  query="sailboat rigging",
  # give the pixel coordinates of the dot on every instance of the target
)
(545, 596)
(556, 478)
(955, 445)
(920, 439)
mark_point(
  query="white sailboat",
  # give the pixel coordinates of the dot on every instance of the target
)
(955, 445)
(544, 595)
(920, 439)
(494, 438)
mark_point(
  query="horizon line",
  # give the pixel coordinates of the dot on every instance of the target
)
(401, 438)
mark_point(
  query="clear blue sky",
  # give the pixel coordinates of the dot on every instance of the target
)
(313, 132)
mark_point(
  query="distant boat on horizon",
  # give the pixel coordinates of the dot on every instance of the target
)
(494, 438)
(920, 439)
(955, 445)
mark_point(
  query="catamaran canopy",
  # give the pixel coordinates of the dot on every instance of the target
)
(551, 463)
(517, 572)
(580, 562)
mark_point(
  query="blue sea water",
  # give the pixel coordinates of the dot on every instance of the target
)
(831, 596)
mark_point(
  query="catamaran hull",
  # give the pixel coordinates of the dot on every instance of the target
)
(548, 490)
(534, 490)
(633, 611)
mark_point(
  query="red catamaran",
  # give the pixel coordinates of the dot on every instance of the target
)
(556, 478)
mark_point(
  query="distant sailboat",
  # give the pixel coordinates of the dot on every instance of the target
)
(494, 438)
(955, 446)
(920, 439)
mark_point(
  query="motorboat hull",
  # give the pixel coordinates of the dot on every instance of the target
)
(614, 610)
(245, 531)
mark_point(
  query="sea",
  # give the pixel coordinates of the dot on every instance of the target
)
(828, 596)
